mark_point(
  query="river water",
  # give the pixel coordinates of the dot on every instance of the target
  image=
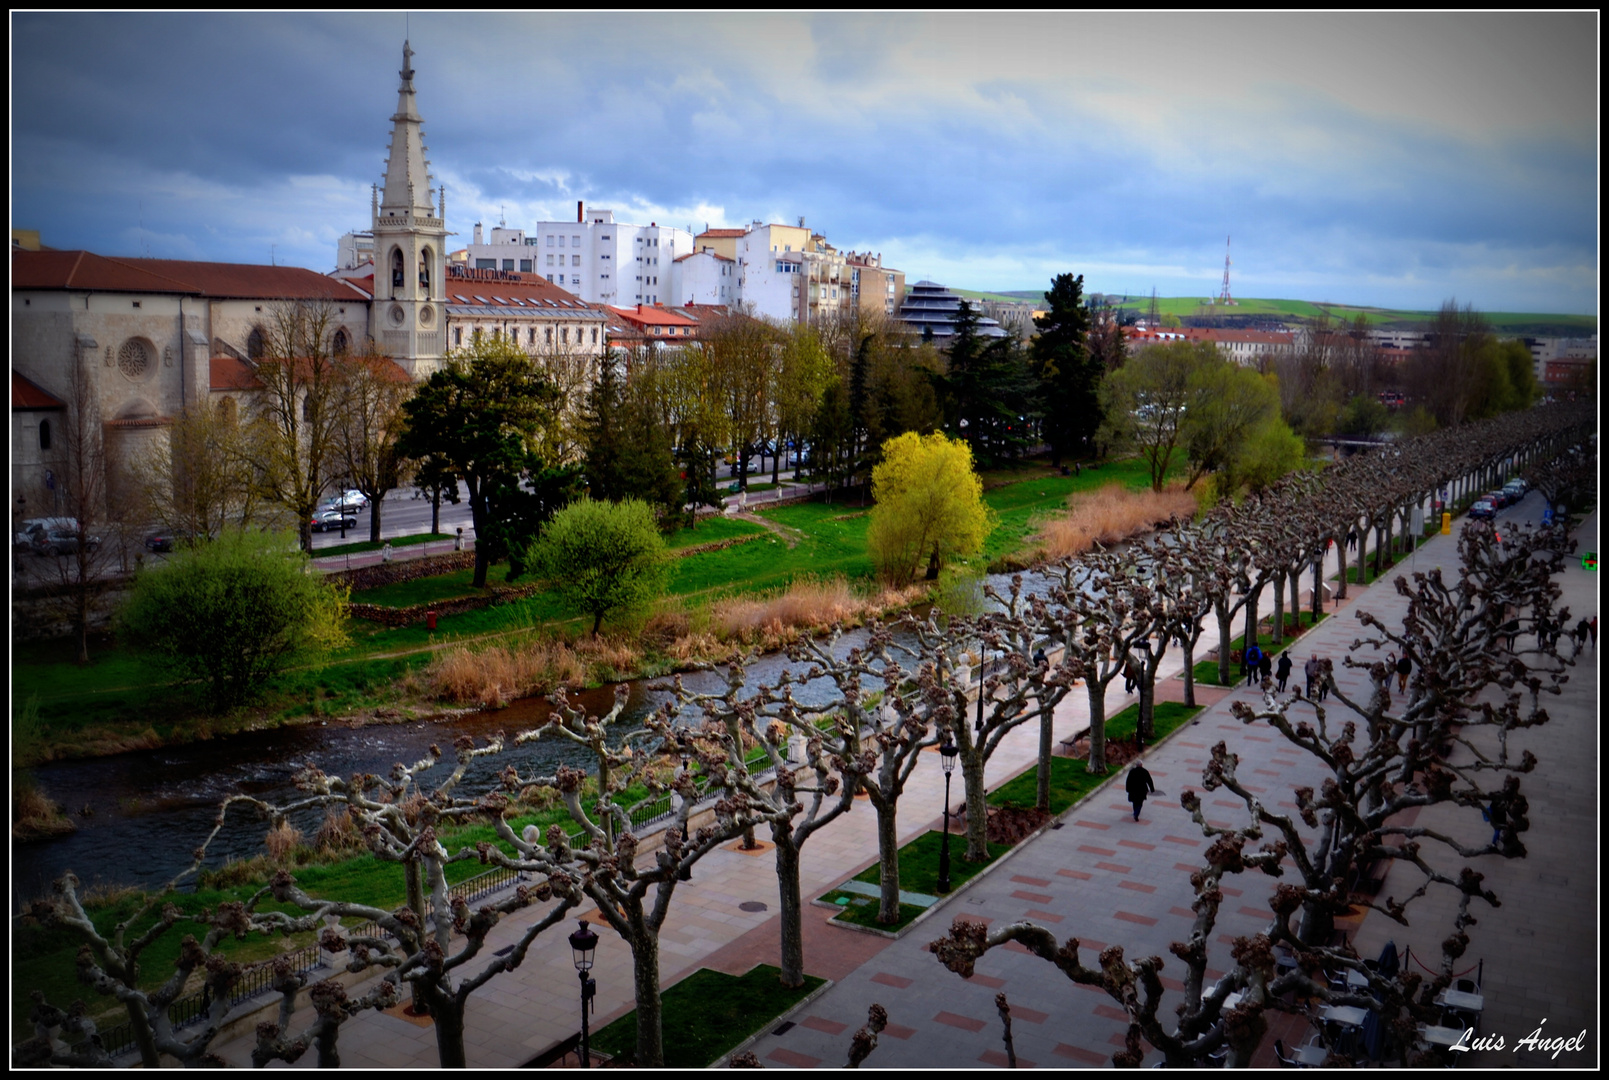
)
(149, 809)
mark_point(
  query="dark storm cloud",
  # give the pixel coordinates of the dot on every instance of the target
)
(996, 149)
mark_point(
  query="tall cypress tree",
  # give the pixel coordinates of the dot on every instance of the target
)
(1068, 377)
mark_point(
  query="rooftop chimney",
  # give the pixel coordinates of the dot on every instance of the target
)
(580, 212)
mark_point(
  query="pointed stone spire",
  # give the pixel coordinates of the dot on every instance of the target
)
(406, 180)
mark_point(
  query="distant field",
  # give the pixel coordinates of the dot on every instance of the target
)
(1513, 322)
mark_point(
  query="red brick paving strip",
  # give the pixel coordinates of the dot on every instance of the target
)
(1033, 897)
(1020, 880)
(1183, 840)
(1096, 850)
(1091, 825)
(1079, 874)
(987, 980)
(1142, 845)
(898, 982)
(817, 1023)
(1027, 1015)
(1047, 916)
(966, 1023)
(1111, 1012)
(1137, 886)
(998, 1059)
(1182, 912)
(1129, 916)
(899, 1031)
(1078, 1053)
(792, 1060)
(1114, 867)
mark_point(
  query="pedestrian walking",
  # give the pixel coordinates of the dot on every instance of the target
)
(1138, 784)
(1352, 540)
(1497, 817)
(1267, 669)
(1323, 677)
(1283, 671)
(1131, 674)
(1040, 659)
(1581, 629)
(1254, 664)
(1404, 666)
(1310, 670)
(385, 552)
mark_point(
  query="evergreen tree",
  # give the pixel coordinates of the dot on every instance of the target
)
(1068, 376)
(628, 447)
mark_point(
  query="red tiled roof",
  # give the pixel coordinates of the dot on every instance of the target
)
(26, 394)
(227, 373)
(648, 315)
(718, 234)
(87, 272)
(514, 286)
(711, 254)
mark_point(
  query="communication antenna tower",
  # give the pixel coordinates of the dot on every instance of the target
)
(1153, 316)
(1223, 294)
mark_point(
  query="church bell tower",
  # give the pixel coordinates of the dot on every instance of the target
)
(410, 239)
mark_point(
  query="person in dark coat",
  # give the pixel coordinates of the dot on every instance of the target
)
(1139, 784)
(1283, 672)
(1311, 670)
(1254, 664)
(1404, 667)
(1267, 668)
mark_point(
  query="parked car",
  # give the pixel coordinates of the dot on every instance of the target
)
(1483, 510)
(59, 540)
(165, 539)
(1499, 499)
(32, 527)
(1516, 490)
(351, 501)
(333, 519)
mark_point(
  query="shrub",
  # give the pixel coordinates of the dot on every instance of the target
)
(604, 557)
(233, 611)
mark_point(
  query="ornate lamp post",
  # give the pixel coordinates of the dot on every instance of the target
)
(582, 944)
(947, 755)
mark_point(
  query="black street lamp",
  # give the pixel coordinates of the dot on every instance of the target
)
(582, 944)
(947, 755)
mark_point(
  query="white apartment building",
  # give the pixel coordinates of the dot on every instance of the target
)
(597, 258)
(703, 277)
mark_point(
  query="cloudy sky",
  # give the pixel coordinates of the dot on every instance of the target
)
(1377, 159)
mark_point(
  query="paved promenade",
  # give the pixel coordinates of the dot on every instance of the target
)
(1100, 876)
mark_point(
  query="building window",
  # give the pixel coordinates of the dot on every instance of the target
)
(485, 264)
(564, 336)
(256, 344)
(550, 240)
(134, 359)
(525, 266)
(575, 260)
(548, 335)
(594, 335)
(458, 335)
(575, 241)
(44, 434)
(530, 338)
(341, 345)
(307, 408)
(508, 264)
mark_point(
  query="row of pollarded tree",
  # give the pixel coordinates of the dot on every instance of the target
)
(894, 697)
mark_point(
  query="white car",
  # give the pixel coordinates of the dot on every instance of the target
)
(351, 501)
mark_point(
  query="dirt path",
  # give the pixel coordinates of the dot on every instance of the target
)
(788, 533)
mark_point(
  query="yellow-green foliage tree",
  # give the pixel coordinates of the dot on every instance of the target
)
(929, 506)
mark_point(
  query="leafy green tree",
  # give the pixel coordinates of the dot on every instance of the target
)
(1069, 375)
(929, 506)
(1146, 400)
(628, 451)
(986, 390)
(481, 417)
(1363, 418)
(603, 557)
(1268, 452)
(233, 611)
(1227, 402)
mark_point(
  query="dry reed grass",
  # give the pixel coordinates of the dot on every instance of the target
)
(282, 840)
(1110, 515)
(338, 832)
(497, 675)
(35, 816)
(804, 606)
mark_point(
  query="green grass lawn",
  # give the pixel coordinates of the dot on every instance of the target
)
(707, 1014)
(1070, 778)
(369, 545)
(919, 873)
(425, 590)
(1207, 670)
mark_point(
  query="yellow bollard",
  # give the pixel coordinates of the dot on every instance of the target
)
(1446, 524)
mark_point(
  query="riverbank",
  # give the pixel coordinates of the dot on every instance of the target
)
(738, 585)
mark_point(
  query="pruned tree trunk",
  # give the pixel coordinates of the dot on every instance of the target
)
(1047, 746)
(1097, 726)
(645, 979)
(791, 960)
(888, 865)
(977, 809)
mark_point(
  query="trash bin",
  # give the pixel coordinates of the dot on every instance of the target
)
(430, 620)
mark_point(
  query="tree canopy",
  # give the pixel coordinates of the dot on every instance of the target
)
(481, 418)
(604, 557)
(232, 611)
(929, 506)
(1069, 375)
